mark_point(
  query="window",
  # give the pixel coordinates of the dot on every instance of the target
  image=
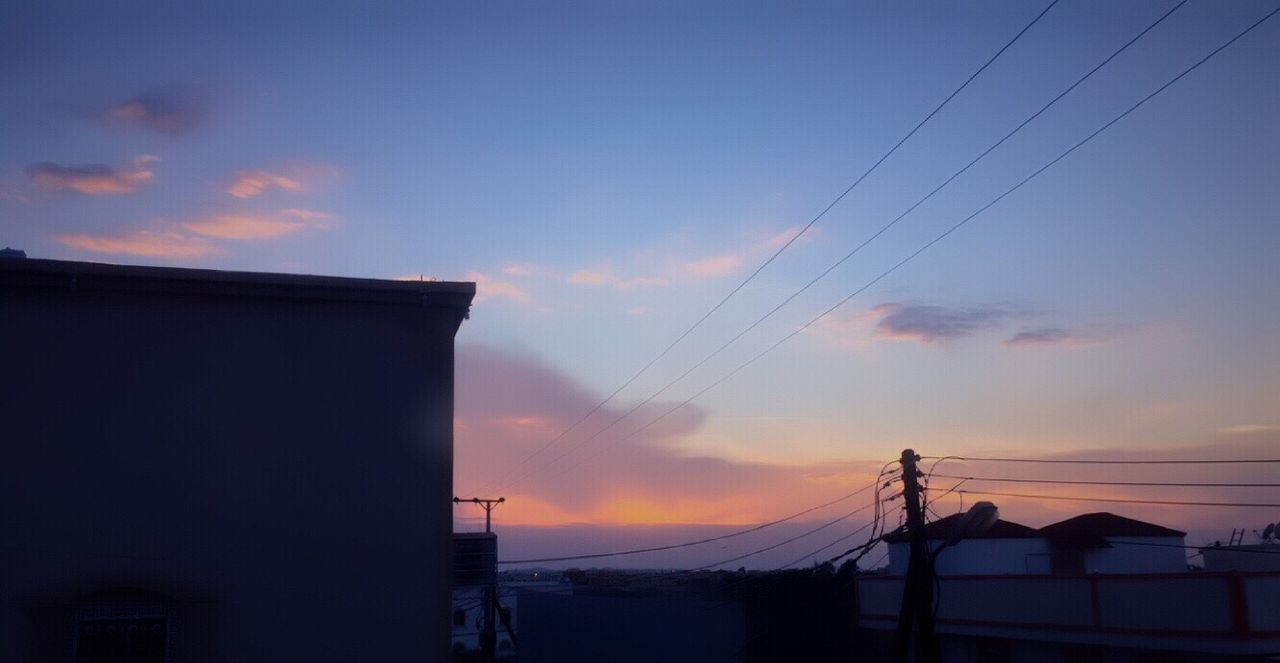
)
(459, 618)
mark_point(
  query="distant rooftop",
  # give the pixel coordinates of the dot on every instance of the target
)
(943, 527)
(91, 276)
(1088, 530)
(1091, 529)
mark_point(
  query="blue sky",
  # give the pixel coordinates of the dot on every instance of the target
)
(608, 171)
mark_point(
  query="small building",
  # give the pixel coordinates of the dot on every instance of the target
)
(1107, 543)
(1119, 590)
(1258, 557)
(224, 466)
(1007, 548)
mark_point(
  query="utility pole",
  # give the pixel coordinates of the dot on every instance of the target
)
(488, 637)
(487, 505)
(917, 590)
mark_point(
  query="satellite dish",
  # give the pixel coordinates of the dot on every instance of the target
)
(1268, 531)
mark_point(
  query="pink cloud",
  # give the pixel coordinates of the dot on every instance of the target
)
(292, 177)
(250, 184)
(94, 179)
(514, 405)
(142, 243)
(488, 288)
(252, 226)
(778, 241)
(305, 214)
(518, 270)
(605, 277)
(726, 264)
(714, 266)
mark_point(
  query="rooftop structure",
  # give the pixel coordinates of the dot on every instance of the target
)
(223, 465)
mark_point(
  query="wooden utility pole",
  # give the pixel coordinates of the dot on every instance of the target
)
(917, 590)
(488, 637)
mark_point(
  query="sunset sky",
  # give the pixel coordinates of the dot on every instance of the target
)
(607, 172)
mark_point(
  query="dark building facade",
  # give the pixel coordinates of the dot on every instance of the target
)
(203, 465)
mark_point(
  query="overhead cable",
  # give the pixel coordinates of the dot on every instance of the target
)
(1268, 505)
(756, 528)
(790, 241)
(1078, 482)
(1108, 461)
(949, 231)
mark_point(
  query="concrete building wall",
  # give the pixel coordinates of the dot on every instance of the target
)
(556, 628)
(979, 557)
(271, 460)
(1254, 558)
(1148, 555)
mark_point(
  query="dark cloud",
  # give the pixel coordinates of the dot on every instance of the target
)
(931, 324)
(1041, 336)
(173, 110)
(93, 179)
(1057, 336)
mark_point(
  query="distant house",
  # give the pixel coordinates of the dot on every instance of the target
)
(224, 466)
(1008, 548)
(1107, 543)
(1111, 589)
(1089, 543)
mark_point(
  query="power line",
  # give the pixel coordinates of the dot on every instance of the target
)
(790, 241)
(787, 541)
(1246, 551)
(952, 230)
(1075, 482)
(757, 528)
(1117, 500)
(812, 553)
(786, 301)
(1213, 461)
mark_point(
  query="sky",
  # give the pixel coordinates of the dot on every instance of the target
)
(606, 172)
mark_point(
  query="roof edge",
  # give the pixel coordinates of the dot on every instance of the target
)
(93, 276)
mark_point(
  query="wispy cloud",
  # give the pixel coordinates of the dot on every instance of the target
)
(251, 184)
(146, 243)
(14, 196)
(292, 177)
(518, 270)
(1249, 429)
(93, 179)
(933, 324)
(188, 239)
(251, 226)
(606, 277)
(1042, 336)
(714, 266)
(726, 264)
(169, 109)
(306, 214)
(488, 288)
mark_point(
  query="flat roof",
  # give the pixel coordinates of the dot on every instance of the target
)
(94, 276)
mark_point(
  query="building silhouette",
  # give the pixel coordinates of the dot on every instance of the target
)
(224, 466)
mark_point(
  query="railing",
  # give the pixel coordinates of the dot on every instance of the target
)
(1192, 604)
